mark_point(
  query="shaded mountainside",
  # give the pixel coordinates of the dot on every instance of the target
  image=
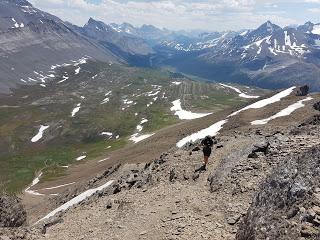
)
(32, 40)
(133, 49)
(261, 182)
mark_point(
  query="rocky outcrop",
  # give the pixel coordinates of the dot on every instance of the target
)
(314, 120)
(259, 148)
(316, 106)
(12, 213)
(287, 206)
(302, 91)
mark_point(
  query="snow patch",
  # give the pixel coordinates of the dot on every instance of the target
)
(107, 133)
(64, 78)
(60, 186)
(76, 110)
(285, 112)
(241, 94)
(34, 182)
(176, 83)
(213, 130)
(39, 135)
(77, 71)
(264, 102)
(138, 138)
(103, 160)
(81, 158)
(183, 114)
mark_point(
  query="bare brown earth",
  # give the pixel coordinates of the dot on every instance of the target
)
(176, 203)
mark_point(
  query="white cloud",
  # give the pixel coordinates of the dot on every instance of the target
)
(172, 14)
(314, 10)
(312, 1)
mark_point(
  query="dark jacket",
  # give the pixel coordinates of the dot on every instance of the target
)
(207, 142)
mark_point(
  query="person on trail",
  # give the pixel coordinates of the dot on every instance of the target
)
(207, 144)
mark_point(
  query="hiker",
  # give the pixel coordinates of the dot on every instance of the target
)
(207, 144)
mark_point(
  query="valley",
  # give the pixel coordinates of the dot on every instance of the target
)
(87, 109)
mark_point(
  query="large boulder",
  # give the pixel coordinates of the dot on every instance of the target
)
(259, 147)
(302, 91)
(12, 213)
(287, 206)
(316, 106)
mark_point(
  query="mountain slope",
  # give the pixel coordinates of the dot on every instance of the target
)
(90, 108)
(124, 44)
(165, 198)
(32, 40)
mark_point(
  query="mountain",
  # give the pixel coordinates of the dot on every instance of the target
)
(151, 34)
(269, 56)
(122, 42)
(201, 42)
(33, 41)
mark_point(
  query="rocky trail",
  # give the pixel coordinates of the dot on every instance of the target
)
(262, 182)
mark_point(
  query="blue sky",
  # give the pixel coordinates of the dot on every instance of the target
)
(211, 15)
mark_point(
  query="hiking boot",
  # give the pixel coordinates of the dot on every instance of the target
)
(202, 168)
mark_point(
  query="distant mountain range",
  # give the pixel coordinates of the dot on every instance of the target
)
(269, 56)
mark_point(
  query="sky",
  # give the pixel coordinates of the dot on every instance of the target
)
(210, 15)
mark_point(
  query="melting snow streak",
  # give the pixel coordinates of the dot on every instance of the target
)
(264, 102)
(241, 94)
(138, 138)
(76, 200)
(39, 135)
(34, 182)
(285, 112)
(75, 110)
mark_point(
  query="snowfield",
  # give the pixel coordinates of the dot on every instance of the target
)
(241, 94)
(285, 112)
(76, 200)
(39, 135)
(183, 114)
(213, 130)
(264, 102)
